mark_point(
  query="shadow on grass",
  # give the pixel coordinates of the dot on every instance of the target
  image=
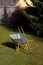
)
(13, 46)
(8, 44)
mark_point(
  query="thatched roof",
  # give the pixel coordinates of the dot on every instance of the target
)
(23, 3)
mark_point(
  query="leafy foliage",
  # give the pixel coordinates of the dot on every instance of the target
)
(35, 15)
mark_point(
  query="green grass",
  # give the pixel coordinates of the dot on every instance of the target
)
(8, 56)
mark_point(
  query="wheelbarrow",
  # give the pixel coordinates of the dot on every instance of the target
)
(19, 39)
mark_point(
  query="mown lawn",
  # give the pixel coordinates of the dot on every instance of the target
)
(8, 56)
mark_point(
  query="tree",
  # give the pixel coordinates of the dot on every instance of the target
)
(35, 15)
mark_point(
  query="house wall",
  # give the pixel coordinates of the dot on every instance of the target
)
(1, 12)
(9, 11)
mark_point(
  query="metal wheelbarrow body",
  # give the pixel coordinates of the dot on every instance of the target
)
(18, 39)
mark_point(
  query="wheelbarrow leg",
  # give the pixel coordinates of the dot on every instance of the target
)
(27, 47)
(17, 48)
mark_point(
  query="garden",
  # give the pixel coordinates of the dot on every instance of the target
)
(9, 56)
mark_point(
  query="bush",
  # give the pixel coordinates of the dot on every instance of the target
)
(35, 15)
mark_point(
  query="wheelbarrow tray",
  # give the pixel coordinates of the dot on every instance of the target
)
(18, 38)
